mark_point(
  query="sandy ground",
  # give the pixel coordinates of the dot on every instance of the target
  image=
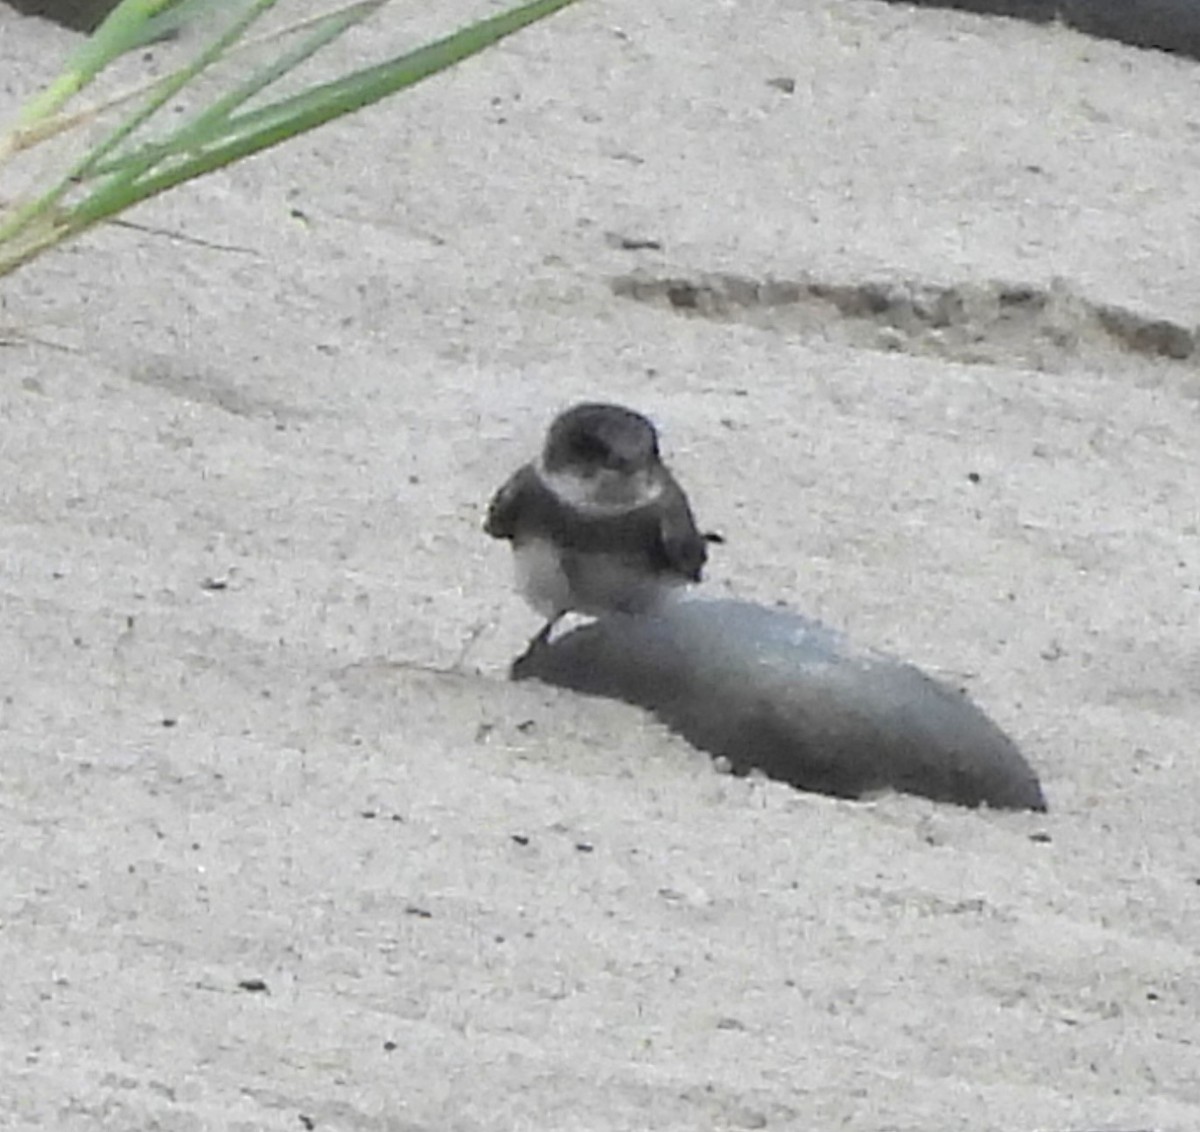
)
(282, 849)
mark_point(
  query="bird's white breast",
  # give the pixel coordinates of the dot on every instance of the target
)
(554, 581)
(540, 576)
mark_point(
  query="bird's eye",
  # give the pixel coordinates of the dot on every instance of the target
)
(592, 449)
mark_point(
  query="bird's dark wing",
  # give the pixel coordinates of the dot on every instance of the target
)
(662, 535)
(504, 512)
(683, 546)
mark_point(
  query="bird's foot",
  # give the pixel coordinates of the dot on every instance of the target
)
(538, 642)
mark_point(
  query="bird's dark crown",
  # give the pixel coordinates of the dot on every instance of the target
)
(595, 436)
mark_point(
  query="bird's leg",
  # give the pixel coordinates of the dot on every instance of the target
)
(542, 636)
(538, 641)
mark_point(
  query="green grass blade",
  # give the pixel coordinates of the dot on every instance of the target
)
(210, 123)
(217, 136)
(172, 85)
(161, 95)
(22, 137)
(127, 26)
(177, 16)
(260, 129)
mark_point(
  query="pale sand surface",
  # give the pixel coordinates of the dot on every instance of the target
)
(559, 916)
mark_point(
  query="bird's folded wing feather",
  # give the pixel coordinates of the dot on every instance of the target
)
(503, 511)
(683, 545)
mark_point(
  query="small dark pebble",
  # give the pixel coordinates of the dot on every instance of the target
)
(389, 1046)
(169, 722)
(369, 814)
(420, 913)
(254, 986)
(520, 838)
(639, 243)
(783, 83)
(526, 725)
(1041, 837)
(214, 585)
(584, 846)
(307, 1122)
(974, 477)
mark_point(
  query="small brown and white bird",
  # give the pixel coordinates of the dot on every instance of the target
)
(597, 523)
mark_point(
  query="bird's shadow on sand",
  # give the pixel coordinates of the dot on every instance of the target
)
(776, 692)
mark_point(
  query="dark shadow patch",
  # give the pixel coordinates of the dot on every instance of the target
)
(76, 15)
(205, 387)
(1168, 25)
(772, 691)
(1032, 11)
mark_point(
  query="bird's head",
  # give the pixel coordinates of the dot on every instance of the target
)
(608, 451)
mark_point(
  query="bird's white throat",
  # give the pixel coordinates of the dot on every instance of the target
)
(604, 493)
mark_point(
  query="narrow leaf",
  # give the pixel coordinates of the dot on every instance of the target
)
(207, 125)
(260, 129)
(120, 32)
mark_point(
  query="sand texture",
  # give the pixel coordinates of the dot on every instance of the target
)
(912, 296)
